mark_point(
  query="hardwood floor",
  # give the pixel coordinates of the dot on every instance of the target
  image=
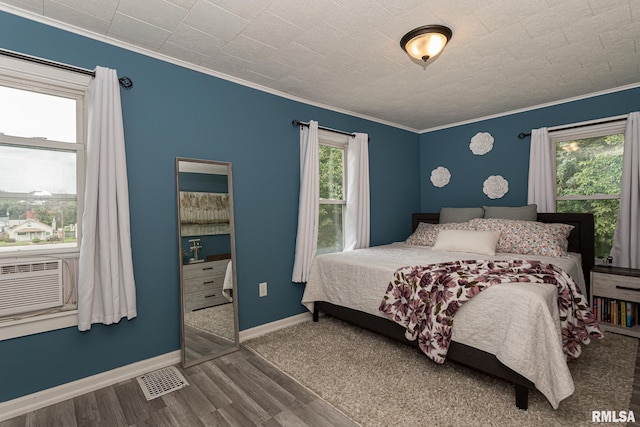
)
(240, 389)
(199, 344)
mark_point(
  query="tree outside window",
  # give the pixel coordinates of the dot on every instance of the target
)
(588, 177)
(332, 198)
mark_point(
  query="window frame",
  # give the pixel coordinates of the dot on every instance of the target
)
(593, 129)
(41, 78)
(582, 132)
(339, 141)
(77, 147)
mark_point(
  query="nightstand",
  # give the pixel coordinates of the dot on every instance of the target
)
(611, 288)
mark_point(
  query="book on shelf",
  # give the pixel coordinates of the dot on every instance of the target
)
(631, 313)
(616, 312)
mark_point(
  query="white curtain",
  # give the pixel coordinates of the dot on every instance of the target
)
(542, 186)
(357, 215)
(308, 210)
(106, 287)
(626, 249)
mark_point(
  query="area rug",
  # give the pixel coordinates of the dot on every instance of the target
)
(217, 320)
(379, 382)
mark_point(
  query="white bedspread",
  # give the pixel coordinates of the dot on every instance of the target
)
(518, 322)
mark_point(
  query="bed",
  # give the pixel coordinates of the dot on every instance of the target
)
(332, 291)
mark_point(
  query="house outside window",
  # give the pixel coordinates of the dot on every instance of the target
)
(589, 174)
(42, 157)
(332, 159)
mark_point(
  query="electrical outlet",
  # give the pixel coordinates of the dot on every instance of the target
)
(263, 289)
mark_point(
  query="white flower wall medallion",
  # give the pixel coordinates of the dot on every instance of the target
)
(481, 143)
(495, 186)
(440, 176)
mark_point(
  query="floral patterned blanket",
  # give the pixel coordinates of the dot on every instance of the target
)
(424, 300)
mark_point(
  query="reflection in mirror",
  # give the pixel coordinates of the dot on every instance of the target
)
(209, 307)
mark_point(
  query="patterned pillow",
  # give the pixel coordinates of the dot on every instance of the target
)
(524, 213)
(527, 237)
(426, 234)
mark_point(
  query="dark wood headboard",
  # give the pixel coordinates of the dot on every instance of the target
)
(581, 238)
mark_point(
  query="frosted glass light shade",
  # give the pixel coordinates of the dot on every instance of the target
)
(426, 42)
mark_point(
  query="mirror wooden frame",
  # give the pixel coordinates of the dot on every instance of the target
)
(184, 164)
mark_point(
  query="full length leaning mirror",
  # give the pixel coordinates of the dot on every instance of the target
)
(208, 297)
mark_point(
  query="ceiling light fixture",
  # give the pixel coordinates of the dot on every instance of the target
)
(426, 42)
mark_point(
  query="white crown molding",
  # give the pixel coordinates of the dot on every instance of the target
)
(35, 401)
(85, 33)
(76, 30)
(535, 107)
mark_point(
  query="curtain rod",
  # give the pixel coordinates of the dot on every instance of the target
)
(617, 119)
(296, 123)
(125, 81)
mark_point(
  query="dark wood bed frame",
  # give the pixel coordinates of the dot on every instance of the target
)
(581, 240)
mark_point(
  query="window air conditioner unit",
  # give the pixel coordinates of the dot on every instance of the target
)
(30, 285)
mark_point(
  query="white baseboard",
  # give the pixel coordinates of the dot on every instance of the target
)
(32, 402)
(274, 326)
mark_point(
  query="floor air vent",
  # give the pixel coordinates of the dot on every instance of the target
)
(158, 383)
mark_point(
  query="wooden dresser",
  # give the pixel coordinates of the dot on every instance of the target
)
(202, 284)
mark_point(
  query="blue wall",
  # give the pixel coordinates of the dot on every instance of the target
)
(175, 112)
(510, 155)
(204, 182)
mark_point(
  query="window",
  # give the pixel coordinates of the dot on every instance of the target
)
(39, 168)
(42, 134)
(332, 154)
(588, 176)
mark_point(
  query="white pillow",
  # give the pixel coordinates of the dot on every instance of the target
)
(477, 242)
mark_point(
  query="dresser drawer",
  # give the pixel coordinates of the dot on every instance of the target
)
(196, 284)
(612, 286)
(211, 268)
(203, 299)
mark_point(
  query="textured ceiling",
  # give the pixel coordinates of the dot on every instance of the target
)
(505, 55)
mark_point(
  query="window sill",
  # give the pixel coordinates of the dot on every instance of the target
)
(38, 324)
